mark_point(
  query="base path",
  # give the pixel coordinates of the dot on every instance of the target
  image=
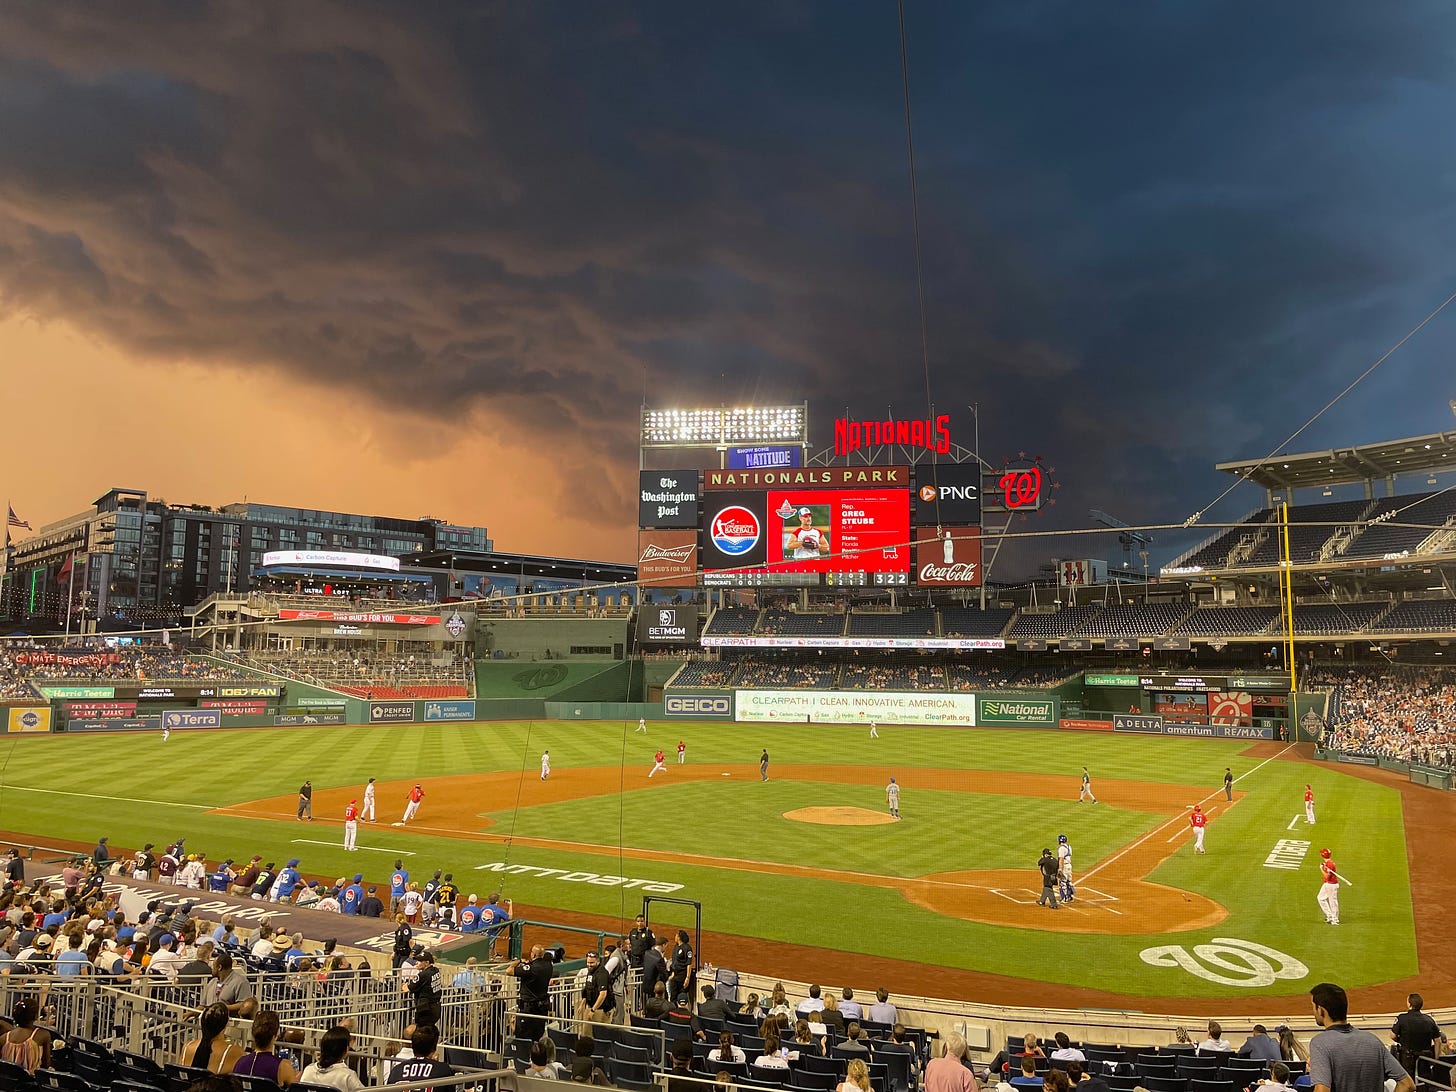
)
(1119, 900)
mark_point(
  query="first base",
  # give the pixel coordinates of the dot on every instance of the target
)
(396, 824)
(727, 774)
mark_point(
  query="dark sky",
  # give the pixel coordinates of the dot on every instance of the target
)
(429, 256)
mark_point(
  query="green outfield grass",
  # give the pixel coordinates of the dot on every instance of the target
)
(136, 788)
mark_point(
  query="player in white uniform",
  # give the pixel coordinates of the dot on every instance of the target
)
(367, 811)
(805, 542)
(166, 733)
(545, 765)
(1064, 869)
(642, 725)
(874, 730)
(892, 797)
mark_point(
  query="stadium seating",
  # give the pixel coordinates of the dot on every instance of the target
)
(369, 672)
(1418, 616)
(1226, 622)
(1151, 620)
(1062, 623)
(970, 623)
(807, 624)
(1333, 619)
(911, 623)
(1215, 553)
(1414, 520)
(1310, 527)
(732, 622)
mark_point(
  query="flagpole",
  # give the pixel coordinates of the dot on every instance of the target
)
(70, 589)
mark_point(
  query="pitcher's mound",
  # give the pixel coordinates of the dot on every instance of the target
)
(839, 817)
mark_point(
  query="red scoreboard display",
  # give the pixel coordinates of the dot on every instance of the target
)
(838, 531)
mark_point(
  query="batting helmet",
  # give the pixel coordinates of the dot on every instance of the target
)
(1324, 853)
(1061, 839)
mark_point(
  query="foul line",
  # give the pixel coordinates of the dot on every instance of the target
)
(99, 796)
(1100, 865)
(371, 849)
(1292, 822)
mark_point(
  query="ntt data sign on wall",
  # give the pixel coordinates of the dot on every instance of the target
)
(858, 707)
(1021, 712)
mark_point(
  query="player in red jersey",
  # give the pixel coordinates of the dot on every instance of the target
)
(351, 824)
(658, 763)
(1329, 893)
(1197, 821)
(1309, 805)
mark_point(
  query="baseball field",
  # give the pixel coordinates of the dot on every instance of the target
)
(805, 874)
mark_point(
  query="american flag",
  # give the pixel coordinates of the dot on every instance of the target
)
(16, 521)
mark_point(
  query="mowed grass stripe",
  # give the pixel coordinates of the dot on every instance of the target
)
(1359, 820)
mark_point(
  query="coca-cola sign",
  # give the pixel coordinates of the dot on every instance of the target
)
(948, 555)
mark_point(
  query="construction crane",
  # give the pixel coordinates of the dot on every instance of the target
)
(1129, 538)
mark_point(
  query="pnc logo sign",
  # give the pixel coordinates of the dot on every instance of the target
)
(735, 530)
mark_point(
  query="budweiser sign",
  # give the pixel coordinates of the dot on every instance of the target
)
(668, 558)
(948, 555)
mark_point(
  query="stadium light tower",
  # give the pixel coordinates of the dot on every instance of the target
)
(723, 427)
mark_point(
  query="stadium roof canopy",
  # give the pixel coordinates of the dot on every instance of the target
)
(1384, 461)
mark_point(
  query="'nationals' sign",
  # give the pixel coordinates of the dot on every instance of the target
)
(850, 435)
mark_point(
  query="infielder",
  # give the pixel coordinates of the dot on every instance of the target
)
(658, 763)
(545, 765)
(1329, 893)
(1064, 869)
(367, 812)
(763, 765)
(416, 794)
(1197, 821)
(1086, 793)
(892, 797)
(682, 752)
(1308, 805)
(351, 825)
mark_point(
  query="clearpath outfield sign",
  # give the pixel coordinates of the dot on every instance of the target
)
(855, 707)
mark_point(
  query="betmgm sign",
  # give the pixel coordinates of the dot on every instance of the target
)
(667, 624)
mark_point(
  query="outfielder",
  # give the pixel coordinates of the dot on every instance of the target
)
(1086, 793)
(874, 730)
(658, 763)
(367, 812)
(1308, 805)
(1329, 893)
(892, 797)
(1064, 869)
(642, 725)
(351, 825)
(416, 794)
(545, 765)
(1197, 821)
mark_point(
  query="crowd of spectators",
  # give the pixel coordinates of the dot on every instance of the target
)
(363, 669)
(22, 664)
(1392, 711)
(866, 671)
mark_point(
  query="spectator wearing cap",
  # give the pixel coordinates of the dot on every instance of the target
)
(166, 960)
(353, 896)
(309, 895)
(493, 917)
(193, 872)
(144, 864)
(328, 902)
(288, 881)
(426, 988)
(263, 882)
(372, 906)
(242, 885)
(448, 898)
(101, 854)
(222, 877)
(470, 914)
